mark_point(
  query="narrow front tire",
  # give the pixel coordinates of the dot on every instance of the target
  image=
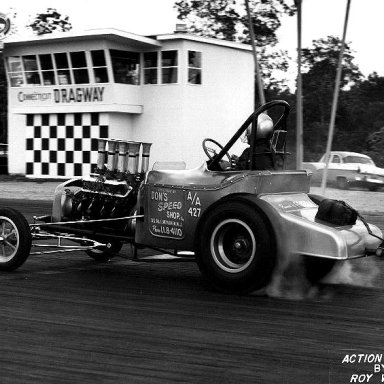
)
(15, 239)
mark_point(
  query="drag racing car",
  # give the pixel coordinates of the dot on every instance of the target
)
(237, 223)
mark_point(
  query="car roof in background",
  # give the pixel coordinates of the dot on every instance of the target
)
(346, 153)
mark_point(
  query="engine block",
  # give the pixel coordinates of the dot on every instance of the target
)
(111, 191)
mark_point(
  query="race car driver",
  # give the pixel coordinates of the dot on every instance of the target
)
(263, 157)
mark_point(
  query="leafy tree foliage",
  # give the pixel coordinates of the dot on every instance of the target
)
(375, 145)
(362, 118)
(227, 19)
(50, 21)
(320, 63)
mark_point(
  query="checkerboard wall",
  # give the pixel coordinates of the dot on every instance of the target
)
(60, 145)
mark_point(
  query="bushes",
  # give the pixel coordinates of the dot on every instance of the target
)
(375, 147)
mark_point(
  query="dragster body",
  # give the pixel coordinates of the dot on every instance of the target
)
(235, 223)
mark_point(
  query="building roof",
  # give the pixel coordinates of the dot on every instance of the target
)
(206, 40)
(90, 34)
(113, 34)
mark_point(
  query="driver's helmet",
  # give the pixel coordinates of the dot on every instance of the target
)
(264, 128)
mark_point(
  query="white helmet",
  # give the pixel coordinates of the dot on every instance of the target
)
(264, 127)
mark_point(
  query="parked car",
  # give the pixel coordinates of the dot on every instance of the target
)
(348, 169)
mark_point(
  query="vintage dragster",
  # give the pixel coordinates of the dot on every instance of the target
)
(236, 224)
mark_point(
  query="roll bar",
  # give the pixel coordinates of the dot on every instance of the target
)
(252, 119)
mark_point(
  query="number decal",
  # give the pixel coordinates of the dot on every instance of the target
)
(194, 212)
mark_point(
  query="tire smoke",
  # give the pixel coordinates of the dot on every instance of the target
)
(290, 279)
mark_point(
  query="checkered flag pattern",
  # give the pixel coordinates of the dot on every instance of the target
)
(63, 145)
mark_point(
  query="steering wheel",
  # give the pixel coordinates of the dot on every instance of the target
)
(210, 152)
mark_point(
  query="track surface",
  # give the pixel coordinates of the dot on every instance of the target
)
(66, 319)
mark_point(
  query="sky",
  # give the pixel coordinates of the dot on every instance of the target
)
(320, 18)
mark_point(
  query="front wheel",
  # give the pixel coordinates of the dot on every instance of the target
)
(235, 249)
(15, 239)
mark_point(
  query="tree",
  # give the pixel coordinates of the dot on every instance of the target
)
(362, 116)
(320, 66)
(227, 19)
(50, 21)
(375, 145)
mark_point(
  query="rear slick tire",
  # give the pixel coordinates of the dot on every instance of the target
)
(316, 268)
(235, 248)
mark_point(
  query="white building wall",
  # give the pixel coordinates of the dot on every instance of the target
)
(121, 126)
(162, 122)
(219, 107)
(179, 116)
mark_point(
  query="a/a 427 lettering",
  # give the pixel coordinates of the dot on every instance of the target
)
(194, 200)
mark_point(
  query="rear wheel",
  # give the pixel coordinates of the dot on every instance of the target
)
(15, 239)
(316, 268)
(342, 183)
(235, 249)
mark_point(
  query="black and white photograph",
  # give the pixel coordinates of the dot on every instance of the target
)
(191, 191)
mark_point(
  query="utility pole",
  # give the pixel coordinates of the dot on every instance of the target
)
(299, 98)
(260, 86)
(334, 103)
